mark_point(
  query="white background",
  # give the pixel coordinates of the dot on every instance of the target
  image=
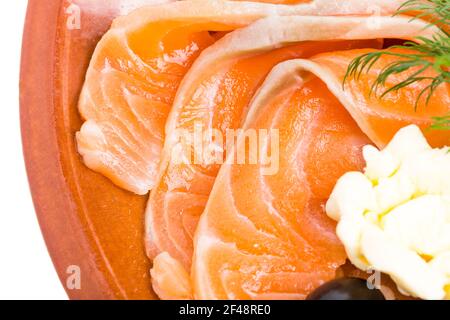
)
(26, 271)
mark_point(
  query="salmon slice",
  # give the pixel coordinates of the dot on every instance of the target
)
(136, 70)
(379, 118)
(216, 95)
(132, 80)
(347, 7)
(170, 280)
(267, 236)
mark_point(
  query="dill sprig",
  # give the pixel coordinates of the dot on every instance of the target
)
(422, 54)
(441, 123)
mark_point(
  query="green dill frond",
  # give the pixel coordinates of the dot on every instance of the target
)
(441, 123)
(422, 55)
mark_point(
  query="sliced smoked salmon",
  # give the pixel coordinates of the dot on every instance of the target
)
(131, 82)
(381, 118)
(137, 67)
(170, 280)
(215, 95)
(267, 236)
(347, 7)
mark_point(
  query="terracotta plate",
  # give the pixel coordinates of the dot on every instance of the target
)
(89, 225)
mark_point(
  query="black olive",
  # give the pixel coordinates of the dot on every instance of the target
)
(346, 289)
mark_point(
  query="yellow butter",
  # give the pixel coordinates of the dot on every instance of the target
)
(395, 217)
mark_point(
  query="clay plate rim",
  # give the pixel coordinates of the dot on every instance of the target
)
(71, 237)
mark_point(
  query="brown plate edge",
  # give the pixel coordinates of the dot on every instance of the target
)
(55, 208)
